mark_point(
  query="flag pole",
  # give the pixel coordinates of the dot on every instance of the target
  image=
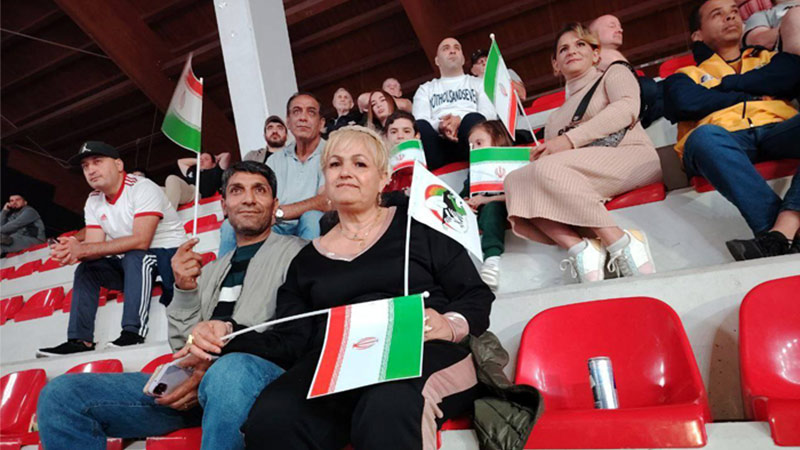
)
(530, 127)
(408, 246)
(264, 325)
(197, 180)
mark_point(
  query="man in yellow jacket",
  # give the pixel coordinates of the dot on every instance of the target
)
(733, 110)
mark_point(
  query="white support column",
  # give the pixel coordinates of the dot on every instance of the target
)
(258, 64)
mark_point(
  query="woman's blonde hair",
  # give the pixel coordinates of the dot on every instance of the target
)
(352, 134)
(582, 32)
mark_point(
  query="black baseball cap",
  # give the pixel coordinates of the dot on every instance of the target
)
(93, 148)
(274, 118)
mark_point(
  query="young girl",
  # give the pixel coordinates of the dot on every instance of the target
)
(491, 209)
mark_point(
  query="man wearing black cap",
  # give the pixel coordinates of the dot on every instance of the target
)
(131, 234)
(275, 135)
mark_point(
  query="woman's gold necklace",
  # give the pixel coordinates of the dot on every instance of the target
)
(367, 229)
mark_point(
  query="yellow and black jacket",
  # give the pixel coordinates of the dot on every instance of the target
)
(712, 92)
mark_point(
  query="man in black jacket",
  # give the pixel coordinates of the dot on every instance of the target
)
(733, 110)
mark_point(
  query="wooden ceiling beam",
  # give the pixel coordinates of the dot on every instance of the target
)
(498, 15)
(122, 35)
(363, 64)
(34, 26)
(305, 9)
(47, 66)
(429, 25)
(166, 10)
(348, 26)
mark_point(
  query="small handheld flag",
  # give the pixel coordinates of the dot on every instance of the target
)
(405, 153)
(489, 166)
(497, 85)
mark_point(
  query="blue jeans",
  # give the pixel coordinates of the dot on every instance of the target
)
(81, 410)
(306, 227)
(133, 274)
(227, 239)
(726, 159)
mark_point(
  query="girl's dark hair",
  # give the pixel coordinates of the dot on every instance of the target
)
(372, 121)
(496, 130)
(400, 114)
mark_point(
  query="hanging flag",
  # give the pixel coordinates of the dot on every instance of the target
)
(437, 205)
(497, 85)
(370, 343)
(489, 166)
(405, 153)
(184, 116)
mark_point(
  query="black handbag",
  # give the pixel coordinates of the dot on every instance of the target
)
(613, 139)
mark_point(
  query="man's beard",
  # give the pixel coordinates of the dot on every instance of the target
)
(249, 230)
(276, 143)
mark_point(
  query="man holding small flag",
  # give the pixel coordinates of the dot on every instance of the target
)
(357, 262)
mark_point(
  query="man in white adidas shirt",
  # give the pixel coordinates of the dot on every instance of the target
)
(447, 108)
(131, 234)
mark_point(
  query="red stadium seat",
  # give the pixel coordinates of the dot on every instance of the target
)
(769, 351)
(203, 201)
(547, 102)
(152, 365)
(6, 273)
(672, 65)
(204, 224)
(67, 303)
(655, 192)
(450, 168)
(50, 264)
(20, 395)
(9, 308)
(101, 366)
(661, 395)
(26, 269)
(41, 304)
(185, 439)
(770, 170)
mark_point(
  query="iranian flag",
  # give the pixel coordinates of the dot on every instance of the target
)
(185, 114)
(438, 206)
(497, 85)
(405, 153)
(370, 343)
(489, 166)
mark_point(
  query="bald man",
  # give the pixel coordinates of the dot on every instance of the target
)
(608, 30)
(446, 108)
(393, 87)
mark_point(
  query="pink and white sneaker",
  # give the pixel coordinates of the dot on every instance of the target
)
(635, 259)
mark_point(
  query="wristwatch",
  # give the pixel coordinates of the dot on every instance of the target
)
(279, 215)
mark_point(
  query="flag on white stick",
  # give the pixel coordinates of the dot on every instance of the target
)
(437, 205)
(497, 85)
(370, 343)
(184, 117)
(405, 153)
(489, 166)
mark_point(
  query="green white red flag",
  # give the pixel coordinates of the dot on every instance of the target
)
(370, 343)
(438, 206)
(489, 166)
(497, 85)
(184, 117)
(405, 153)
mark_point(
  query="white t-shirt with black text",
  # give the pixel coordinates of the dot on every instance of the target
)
(458, 96)
(137, 197)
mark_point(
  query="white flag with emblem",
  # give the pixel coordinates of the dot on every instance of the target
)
(437, 205)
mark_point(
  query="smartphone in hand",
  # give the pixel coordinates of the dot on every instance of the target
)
(166, 378)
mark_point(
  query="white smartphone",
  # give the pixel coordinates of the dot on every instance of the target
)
(166, 378)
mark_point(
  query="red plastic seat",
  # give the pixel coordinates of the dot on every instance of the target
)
(101, 366)
(9, 308)
(769, 170)
(20, 394)
(546, 102)
(203, 201)
(41, 304)
(152, 365)
(184, 439)
(25, 269)
(204, 224)
(50, 264)
(450, 168)
(655, 192)
(769, 357)
(66, 305)
(671, 66)
(662, 399)
(6, 273)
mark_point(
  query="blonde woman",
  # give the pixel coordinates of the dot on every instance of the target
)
(359, 260)
(583, 163)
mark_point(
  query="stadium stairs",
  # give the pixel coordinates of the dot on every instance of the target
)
(696, 278)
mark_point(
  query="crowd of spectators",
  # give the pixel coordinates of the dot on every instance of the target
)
(736, 106)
